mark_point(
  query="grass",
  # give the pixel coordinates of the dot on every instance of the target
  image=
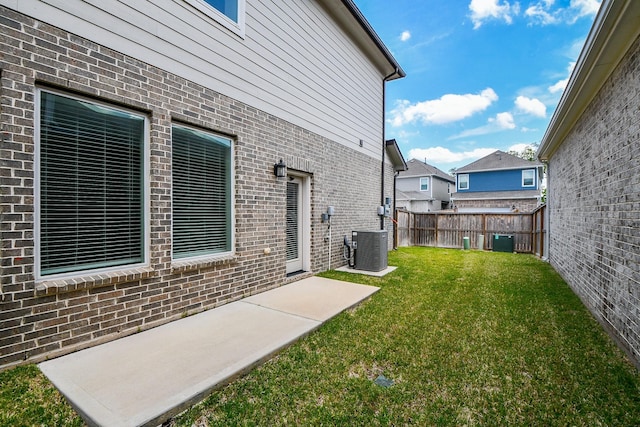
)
(467, 337)
(27, 398)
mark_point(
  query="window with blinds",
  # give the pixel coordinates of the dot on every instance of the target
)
(91, 188)
(201, 174)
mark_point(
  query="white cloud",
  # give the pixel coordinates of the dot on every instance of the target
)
(406, 35)
(561, 84)
(539, 13)
(482, 10)
(544, 13)
(448, 108)
(585, 7)
(558, 86)
(519, 148)
(502, 121)
(444, 155)
(531, 106)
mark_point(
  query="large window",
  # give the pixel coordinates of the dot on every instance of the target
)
(528, 178)
(463, 181)
(229, 13)
(424, 184)
(202, 208)
(91, 186)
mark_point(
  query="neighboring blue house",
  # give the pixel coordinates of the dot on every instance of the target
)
(499, 182)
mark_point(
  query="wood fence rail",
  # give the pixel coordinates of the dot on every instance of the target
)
(447, 230)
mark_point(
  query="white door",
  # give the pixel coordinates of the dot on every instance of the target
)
(294, 224)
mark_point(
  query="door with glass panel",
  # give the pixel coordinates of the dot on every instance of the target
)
(294, 224)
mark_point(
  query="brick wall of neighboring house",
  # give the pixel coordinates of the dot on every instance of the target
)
(43, 319)
(522, 205)
(594, 205)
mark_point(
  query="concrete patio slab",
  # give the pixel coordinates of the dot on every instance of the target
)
(315, 298)
(146, 378)
(381, 273)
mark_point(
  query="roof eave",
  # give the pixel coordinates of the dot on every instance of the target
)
(395, 155)
(616, 27)
(364, 34)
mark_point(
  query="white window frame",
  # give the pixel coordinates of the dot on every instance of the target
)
(221, 18)
(424, 179)
(525, 172)
(146, 153)
(218, 255)
(460, 187)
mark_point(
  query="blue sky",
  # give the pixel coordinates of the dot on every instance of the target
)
(482, 75)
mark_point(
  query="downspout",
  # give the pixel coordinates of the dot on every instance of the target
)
(384, 144)
(393, 211)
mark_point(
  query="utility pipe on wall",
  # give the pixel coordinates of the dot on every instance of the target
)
(384, 142)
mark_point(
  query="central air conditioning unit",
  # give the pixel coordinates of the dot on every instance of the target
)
(370, 249)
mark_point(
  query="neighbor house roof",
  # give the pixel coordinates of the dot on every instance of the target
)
(416, 168)
(616, 27)
(496, 195)
(346, 14)
(413, 195)
(498, 160)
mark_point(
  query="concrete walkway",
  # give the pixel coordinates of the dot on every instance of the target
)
(146, 378)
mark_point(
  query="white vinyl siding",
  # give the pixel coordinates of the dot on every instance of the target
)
(201, 176)
(295, 61)
(90, 175)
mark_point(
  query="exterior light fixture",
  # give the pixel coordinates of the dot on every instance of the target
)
(280, 170)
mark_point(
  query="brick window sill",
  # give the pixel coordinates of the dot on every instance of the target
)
(46, 287)
(181, 266)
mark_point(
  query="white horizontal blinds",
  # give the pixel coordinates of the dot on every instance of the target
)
(292, 220)
(201, 193)
(91, 186)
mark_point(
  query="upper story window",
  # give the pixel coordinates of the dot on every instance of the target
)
(528, 178)
(463, 181)
(424, 184)
(229, 13)
(90, 212)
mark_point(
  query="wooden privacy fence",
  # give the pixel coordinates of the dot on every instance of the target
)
(447, 230)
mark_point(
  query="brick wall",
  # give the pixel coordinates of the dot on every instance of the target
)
(48, 318)
(594, 205)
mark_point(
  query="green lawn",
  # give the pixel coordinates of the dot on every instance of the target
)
(467, 337)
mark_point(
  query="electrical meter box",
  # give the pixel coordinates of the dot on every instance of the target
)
(371, 249)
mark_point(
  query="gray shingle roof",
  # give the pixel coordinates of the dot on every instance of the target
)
(419, 168)
(498, 160)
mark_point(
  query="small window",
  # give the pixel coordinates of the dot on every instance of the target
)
(528, 178)
(202, 209)
(91, 197)
(424, 184)
(229, 13)
(463, 181)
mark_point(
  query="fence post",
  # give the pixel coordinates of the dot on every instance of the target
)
(484, 231)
